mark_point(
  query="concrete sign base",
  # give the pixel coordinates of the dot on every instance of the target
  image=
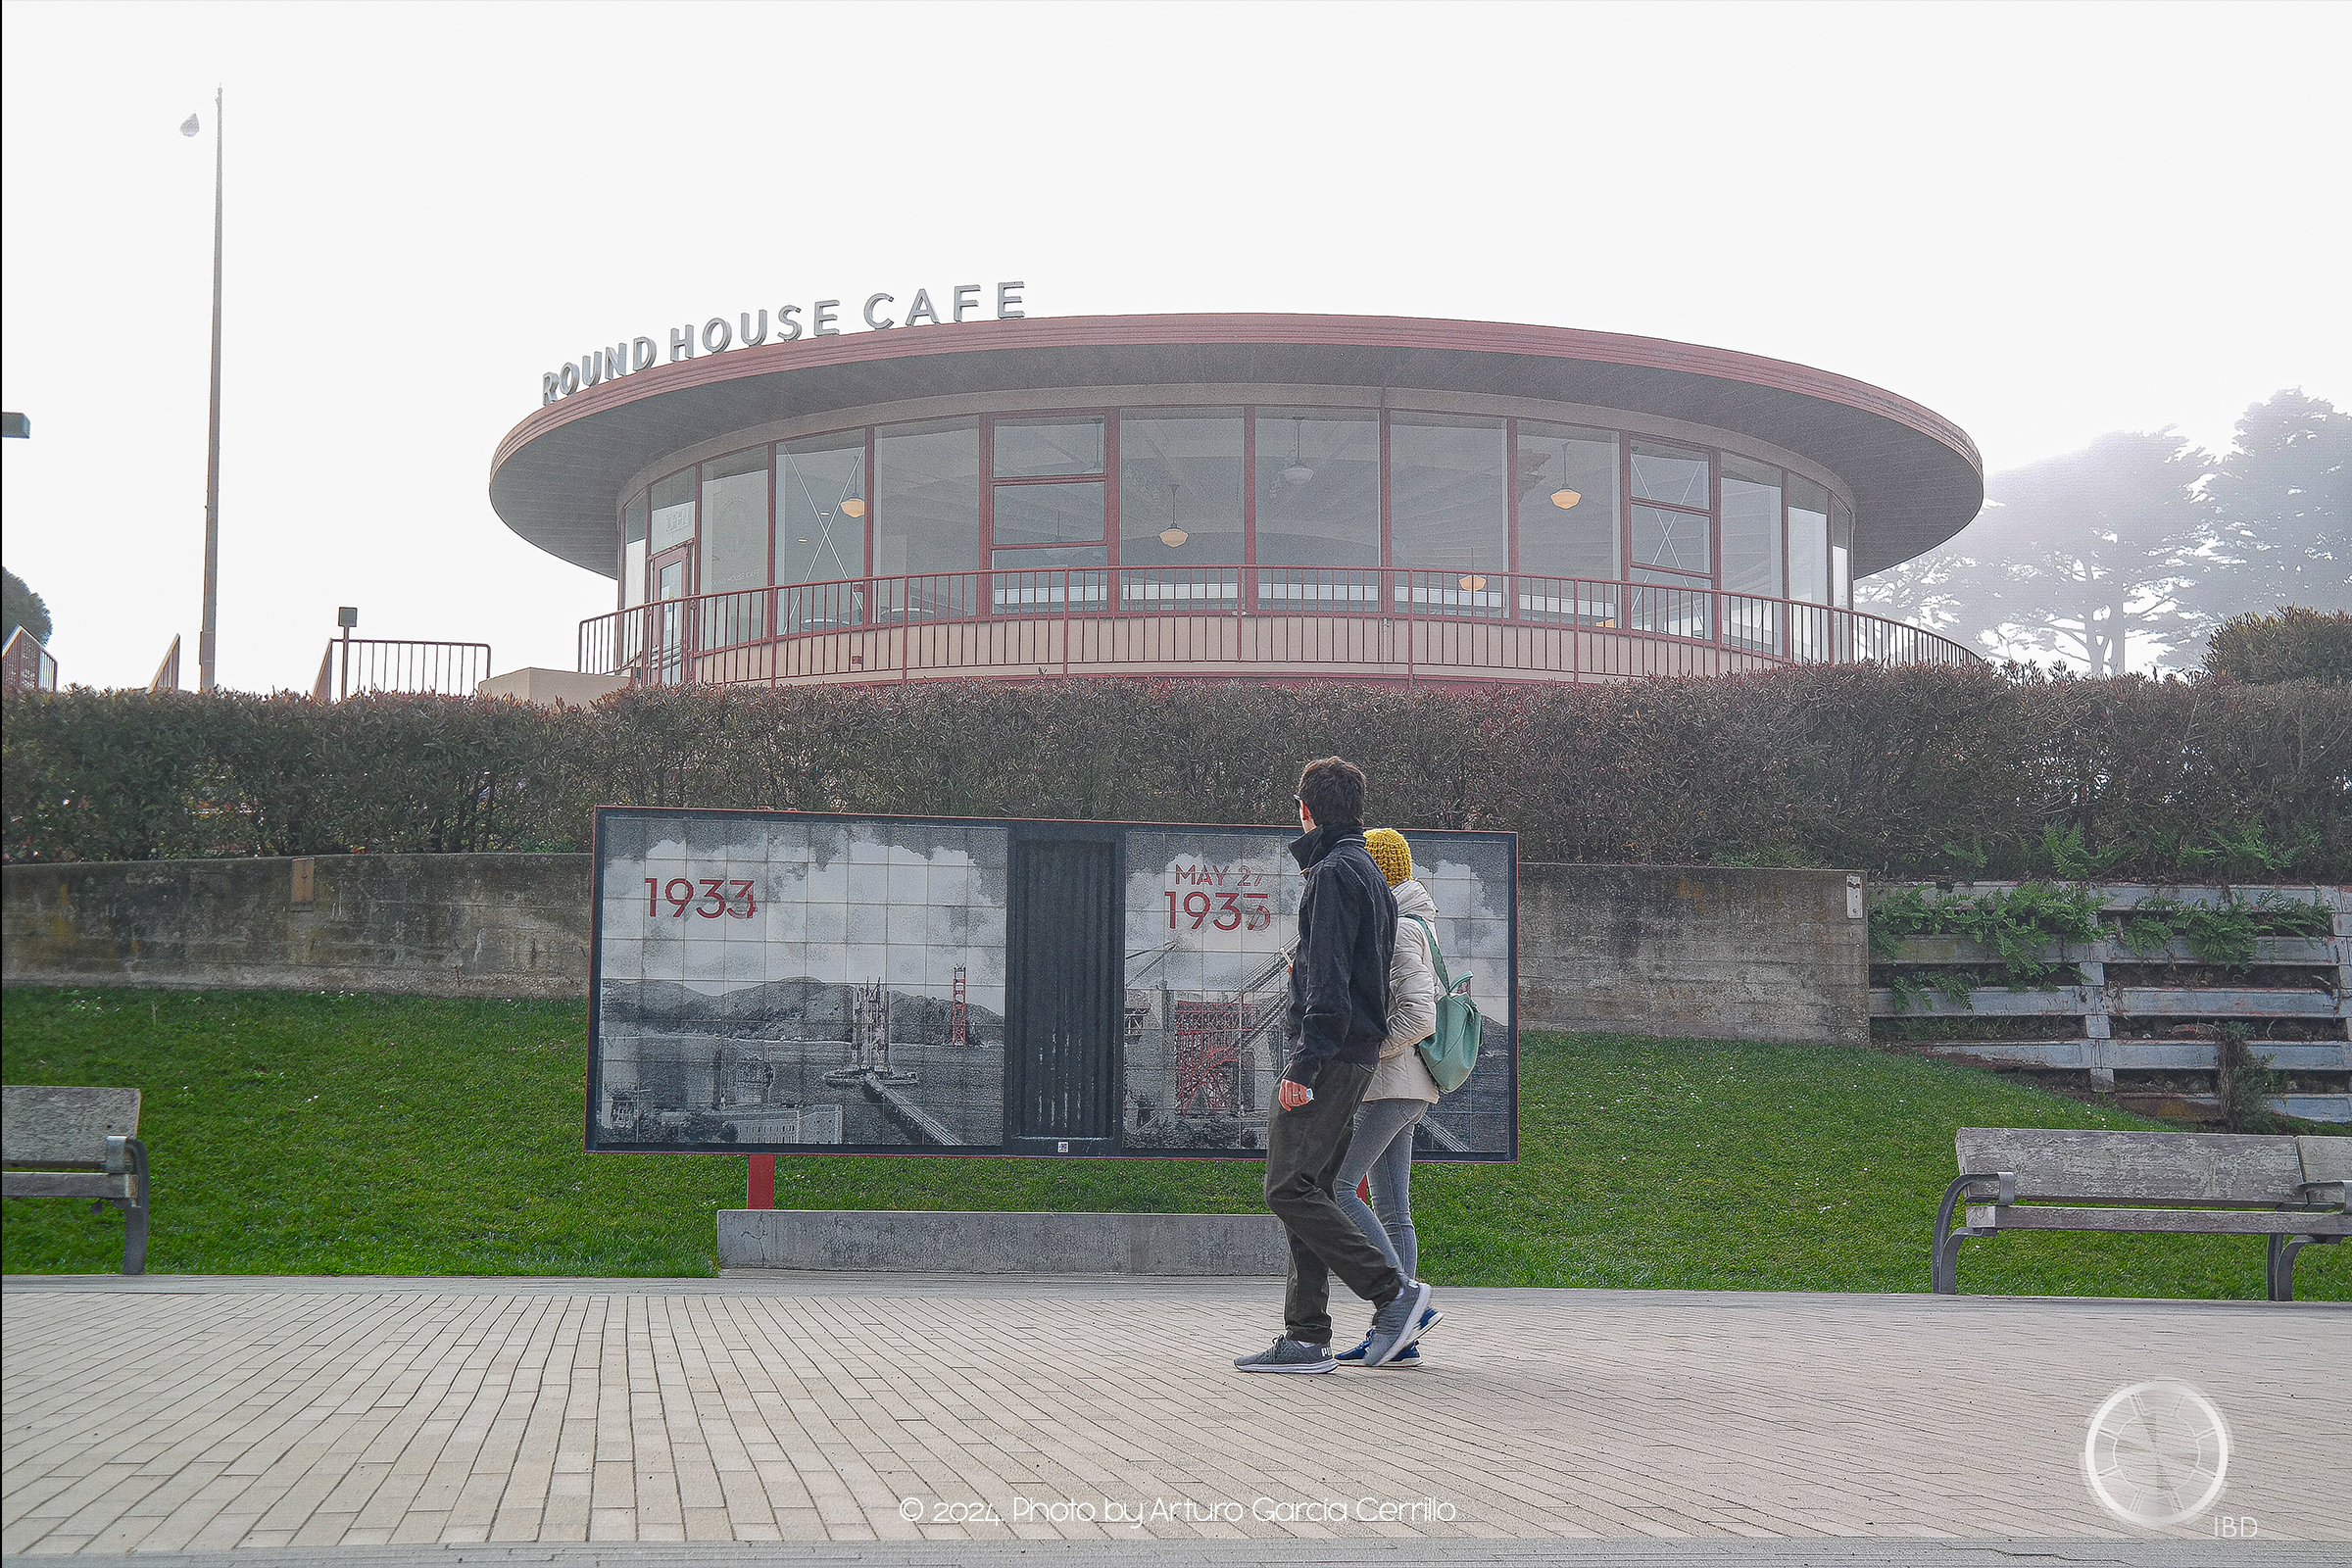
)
(902, 1241)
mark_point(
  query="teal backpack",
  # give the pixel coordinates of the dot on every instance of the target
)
(1452, 1050)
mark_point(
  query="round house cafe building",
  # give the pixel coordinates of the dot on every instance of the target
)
(957, 490)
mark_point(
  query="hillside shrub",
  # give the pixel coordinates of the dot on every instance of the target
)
(1911, 772)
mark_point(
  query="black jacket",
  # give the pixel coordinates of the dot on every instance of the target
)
(1340, 969)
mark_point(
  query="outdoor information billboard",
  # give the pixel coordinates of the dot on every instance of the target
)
(784, 982)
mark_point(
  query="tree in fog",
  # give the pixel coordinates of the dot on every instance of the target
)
(2087, 558)
(22, 607)
(2280, 497)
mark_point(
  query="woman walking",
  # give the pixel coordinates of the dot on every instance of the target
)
(1401, 1090)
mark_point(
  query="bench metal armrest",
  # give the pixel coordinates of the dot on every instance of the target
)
(2328, 1195)
(127, 1157)
(2003, 1190)
(1943, 1262)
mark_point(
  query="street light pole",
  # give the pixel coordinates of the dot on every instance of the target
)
(212, 456)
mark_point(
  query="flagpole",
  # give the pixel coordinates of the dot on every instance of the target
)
(212, 456)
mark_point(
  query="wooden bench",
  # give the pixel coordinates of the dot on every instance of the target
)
(2287, 1190)
(93, 1134)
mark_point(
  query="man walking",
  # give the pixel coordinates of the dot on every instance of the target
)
(1336, 1021)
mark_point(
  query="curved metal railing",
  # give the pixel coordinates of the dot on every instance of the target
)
(1227, 619)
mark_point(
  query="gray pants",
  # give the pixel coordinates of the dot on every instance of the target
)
(1303, 1151)
(1383, 1149)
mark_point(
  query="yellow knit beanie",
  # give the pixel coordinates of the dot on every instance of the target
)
(1390, 853)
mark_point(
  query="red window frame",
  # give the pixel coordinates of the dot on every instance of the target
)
(1108, 477)
(1712, 511)
(1105, 476)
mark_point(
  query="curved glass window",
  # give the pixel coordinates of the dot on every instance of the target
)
(1675, 475)
(1672, 544)
(1808, 542)
(1568, 516)
(734, 540)
(927, 498)
(1047, 515)
(1031, 449)
(1751, 552)
(1076, 556)
(734, 527)
(820, 509)
(1180, 488)
(1318, 488)
(1841, 557)
(1448, 497)
(1751, 529)
(672, 511)
(1209, 501)
(632, 551)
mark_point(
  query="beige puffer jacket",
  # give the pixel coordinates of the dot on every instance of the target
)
(1412, 1004)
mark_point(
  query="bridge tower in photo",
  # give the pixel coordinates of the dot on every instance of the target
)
(869, 1028)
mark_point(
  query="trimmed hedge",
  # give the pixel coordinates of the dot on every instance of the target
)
(1902, 772)
(2295, 644)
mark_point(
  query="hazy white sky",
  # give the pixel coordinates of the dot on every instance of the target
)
(2043, 220)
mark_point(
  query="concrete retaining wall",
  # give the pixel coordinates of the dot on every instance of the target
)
(1709, 952)
(434, 925)
(1645, 950)
(919, 1240)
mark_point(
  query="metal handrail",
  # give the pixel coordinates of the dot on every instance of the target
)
(400, 665)
(1371, 620)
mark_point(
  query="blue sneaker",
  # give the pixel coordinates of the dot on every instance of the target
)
(1411, 1355)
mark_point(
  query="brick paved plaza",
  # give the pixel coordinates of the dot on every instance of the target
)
(274, 1416)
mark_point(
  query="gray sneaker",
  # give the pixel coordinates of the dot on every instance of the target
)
(1398, 1324)
(1289, 1355)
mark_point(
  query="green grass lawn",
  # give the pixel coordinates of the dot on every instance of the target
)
(295, 1133)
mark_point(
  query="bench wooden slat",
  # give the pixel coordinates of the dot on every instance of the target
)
(62, 1184)
(52, 1125)
(2179, 1168)
(2326, 1159)
(2207, 1221)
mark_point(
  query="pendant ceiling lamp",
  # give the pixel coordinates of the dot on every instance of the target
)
(1565, 498)
(1173, 534)
(1297, 472)
(852, 508)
